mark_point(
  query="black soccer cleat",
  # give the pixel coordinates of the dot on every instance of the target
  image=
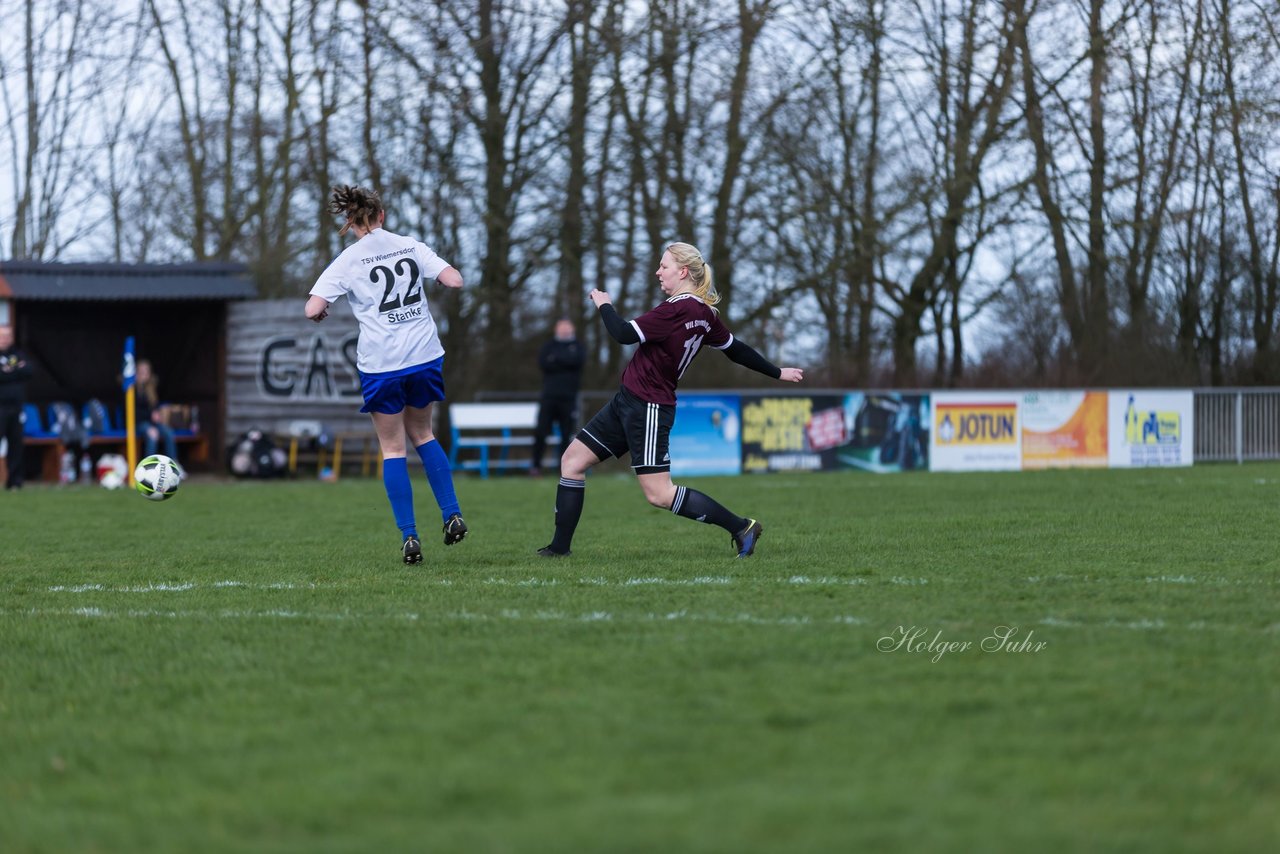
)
(745, 540)
(412, 550)
(547, 551)
(454, 530)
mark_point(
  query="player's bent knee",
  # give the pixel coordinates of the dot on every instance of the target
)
(573, 470)
(660, 498)
(575, 461)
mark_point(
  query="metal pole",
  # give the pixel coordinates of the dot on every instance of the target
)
(1239, 427)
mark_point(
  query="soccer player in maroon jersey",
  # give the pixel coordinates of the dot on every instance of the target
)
(639, 417)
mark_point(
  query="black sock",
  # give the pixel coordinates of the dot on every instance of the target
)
(692, 504)
(569, 496)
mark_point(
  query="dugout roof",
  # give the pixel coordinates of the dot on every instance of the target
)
(39, 281)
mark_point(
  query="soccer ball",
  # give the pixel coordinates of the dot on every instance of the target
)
(112, 469)
(157, 477)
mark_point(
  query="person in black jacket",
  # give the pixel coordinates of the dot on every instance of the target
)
(15, 370)
(561, 361)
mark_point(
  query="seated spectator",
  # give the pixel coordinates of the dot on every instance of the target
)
(151, 425)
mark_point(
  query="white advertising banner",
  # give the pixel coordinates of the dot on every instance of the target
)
(1064, 429)
(975, 431)
(1150, 428)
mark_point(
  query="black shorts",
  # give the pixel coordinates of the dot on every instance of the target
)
(629, 423)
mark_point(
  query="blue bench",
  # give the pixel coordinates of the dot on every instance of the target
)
(101, 433)
(492, 430)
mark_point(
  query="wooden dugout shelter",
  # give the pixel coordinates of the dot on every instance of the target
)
(72, 321)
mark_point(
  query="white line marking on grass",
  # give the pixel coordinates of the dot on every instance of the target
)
(558, 616)
(149, 588)
(655, 581)
(1211, 580)
(163, 587)
(1141, 625)
(492, 581)
(506, 614)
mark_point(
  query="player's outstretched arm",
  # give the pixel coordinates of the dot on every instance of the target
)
(742, 353)
(317, 308)
(622, 332)
(450, 278)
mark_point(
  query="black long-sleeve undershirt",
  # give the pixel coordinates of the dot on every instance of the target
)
(742, 353)
(622, 332)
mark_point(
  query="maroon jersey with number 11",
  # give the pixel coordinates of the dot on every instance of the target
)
(670, 336)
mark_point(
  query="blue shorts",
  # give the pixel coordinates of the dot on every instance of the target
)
(390, 392)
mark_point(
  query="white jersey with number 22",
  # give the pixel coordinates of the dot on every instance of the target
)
(383, 276)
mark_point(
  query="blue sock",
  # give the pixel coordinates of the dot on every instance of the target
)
(395, 477)
(436, 463)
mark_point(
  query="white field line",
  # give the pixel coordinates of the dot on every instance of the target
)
(697, 581)
(591, 617)
(504, 615)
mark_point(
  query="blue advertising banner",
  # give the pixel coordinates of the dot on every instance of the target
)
(707, 436)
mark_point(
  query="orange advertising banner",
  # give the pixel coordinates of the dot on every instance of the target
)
(1064, 429)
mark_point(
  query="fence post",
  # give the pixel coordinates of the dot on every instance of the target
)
(1239, 427)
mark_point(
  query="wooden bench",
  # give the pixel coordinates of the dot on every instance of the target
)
(493, 430)
(294, 434)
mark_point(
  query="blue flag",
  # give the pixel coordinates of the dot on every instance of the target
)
(130, 370)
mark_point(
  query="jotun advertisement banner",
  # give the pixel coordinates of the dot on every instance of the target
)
(975, 431)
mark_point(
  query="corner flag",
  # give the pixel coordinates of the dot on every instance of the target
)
(129, 375)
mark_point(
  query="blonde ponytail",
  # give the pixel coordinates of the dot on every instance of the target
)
(704, 287)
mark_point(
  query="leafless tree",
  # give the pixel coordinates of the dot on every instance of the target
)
(873, 182)
(51, 76)
(968, 123)
(1248, 142)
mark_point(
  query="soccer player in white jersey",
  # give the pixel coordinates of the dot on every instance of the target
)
(399, 355)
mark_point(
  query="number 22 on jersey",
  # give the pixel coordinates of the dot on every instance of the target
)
(401, 288)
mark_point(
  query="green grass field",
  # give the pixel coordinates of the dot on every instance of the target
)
(249, 667)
